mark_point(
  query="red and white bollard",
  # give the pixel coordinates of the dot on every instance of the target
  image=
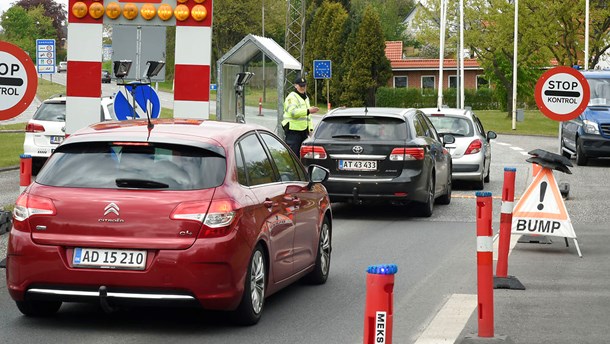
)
(485, 264)
(260, 106)
(25, 172)
(328, 105)
(501, 279)
(379, 310)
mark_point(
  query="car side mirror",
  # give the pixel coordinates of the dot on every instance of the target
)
(448, 138)
(491, 135)
(317, 174)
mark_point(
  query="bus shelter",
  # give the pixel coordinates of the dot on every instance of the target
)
(235, 64)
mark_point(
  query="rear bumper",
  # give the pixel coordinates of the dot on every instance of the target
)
(468, 167)
(411, 185)
(208, 274)
(35, 150)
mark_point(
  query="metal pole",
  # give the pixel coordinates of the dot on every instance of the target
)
(461, 106)
(514, 124)
(264, 79)
(441, 59)
(587, 35)
(138, 51)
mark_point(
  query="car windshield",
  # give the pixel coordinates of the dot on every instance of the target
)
(457, 126)
(362, 128)
(110, 165)
(52, 111)
(600, 92)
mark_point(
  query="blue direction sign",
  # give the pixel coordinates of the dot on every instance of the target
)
(146, 100)
(322, 69)
(45, 56)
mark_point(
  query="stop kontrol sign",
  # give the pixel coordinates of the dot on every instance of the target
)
(562, 93)
(18, 81)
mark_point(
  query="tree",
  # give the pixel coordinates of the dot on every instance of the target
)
(22, 27)
(52, 10)
(365, 65)
(325, 38)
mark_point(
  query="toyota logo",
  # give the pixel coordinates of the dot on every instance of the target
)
(357, 149)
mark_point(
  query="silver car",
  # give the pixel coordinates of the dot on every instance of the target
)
(471, 152)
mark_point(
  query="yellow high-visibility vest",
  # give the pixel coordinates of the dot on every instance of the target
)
(295, 113)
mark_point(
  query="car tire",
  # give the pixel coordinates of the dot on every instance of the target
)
(426, 208)
(38, 308)
(487, 178)
(446, 197)
(581, 157)
(320, 272)
(251, 306)
(479, 184)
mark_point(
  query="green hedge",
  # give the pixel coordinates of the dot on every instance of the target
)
(483, 99)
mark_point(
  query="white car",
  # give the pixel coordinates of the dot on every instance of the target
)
(46, 130)
(471, 152)
(62, 67)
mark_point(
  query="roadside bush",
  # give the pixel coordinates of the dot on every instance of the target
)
(482, 99)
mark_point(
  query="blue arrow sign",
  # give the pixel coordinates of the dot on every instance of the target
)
(146, 100)
(322, 69)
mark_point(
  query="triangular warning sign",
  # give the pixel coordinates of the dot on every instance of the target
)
(541, 210)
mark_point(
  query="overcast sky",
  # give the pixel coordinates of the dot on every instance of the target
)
(6, 4)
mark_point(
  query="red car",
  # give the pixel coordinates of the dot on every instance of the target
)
(178, 212)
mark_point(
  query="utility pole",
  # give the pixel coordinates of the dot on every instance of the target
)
(295, 33)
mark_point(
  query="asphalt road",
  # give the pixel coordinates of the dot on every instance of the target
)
(436, 259)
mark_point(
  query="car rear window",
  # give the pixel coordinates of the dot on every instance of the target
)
(457, 126)
(129, 165)
(52, 111)
(364, 128)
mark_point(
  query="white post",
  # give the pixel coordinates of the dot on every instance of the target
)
(587, 35)
(515, 53)
(461, 77)
(441, 54)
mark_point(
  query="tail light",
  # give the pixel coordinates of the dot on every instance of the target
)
(216, 216)
(313, 152)
(28, 206)
(34, 128)
(474, 147)
(403, 154)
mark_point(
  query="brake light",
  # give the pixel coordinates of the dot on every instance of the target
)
(403, 154)
(216, 216)
(34, 128)
(28, 206)
(474, 147)
(313, 152)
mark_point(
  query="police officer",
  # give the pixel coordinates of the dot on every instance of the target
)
(297, 122)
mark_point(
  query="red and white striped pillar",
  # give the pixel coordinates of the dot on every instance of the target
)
(192, 65)
(485, 264)
(83, 88)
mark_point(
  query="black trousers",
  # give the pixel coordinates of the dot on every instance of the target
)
(294, 139)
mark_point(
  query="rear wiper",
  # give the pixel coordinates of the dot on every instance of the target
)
(139, 183)
(346, 136)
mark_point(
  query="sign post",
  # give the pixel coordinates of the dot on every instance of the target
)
(45, 56)
(18, 81)
(322, 69)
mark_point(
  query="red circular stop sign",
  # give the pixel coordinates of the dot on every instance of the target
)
(18, 81)
(562, 93)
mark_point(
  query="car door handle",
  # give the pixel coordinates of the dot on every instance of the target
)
(269, 203)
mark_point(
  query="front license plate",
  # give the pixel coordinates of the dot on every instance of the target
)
(57, 139)
(357, 165)
(109, 259)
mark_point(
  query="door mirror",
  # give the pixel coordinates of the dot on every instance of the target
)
(317, 174)
(491, 135)
(448, 138)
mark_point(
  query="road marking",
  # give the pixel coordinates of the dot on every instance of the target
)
(516, 148)
(449, 321)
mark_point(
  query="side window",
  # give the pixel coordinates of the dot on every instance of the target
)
(479, 125)
(419, 129)
(431, 131)
(256, 161)
(241, 167)
(287, 167)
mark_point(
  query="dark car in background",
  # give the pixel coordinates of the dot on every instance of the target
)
(106, 77)
(182, 213)
(588, 135)
(389, 154)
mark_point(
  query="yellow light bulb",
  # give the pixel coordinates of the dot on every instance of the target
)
(96, 10)
(148, 11)
(165, 12)
(79, 9)
(130, 11)
(199, 12)
(199, 1)
(181, 12)
(113, 10)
